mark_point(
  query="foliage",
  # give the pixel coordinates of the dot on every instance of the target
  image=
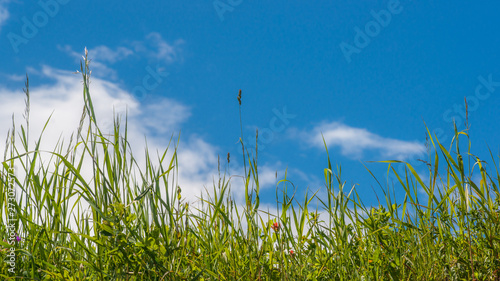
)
(132, 223)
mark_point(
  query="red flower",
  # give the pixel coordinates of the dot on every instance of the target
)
(276, 226)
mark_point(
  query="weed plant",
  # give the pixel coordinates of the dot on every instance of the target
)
(131, 222)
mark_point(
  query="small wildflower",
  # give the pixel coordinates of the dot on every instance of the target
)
(276, 226)
(224, 256)
(18, 238)
(292, 253)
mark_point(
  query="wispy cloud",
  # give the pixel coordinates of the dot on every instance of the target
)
(157, 119)
(4, 13)
(354, 142)
(106, 54)
(101, 57)
(153, 48)
(157, 48)
(15, 77)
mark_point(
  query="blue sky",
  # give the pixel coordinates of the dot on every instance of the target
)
(366, 74)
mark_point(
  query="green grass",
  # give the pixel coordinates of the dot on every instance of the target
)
(131, 222)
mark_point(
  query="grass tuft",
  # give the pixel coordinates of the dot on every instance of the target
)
(126, 222)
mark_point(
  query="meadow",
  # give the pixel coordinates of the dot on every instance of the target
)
(131, 222)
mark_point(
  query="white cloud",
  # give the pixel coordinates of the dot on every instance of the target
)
(353, 142)
(154, 47)
(101, 53)
(15, 77)
(163, 115)
(157, 121)
(105, 54)
(101, 56)
(61, 97)
(157, 48)
(4, 13)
